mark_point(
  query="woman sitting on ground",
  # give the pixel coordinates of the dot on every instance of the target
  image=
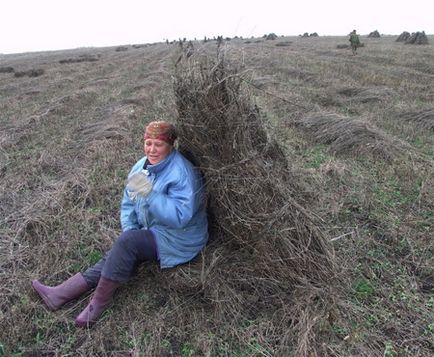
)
(163, 218)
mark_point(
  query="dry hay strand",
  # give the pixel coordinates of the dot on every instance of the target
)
(72, 102)
(263, 82)
(264, 243)
(57, 108)
(102, 130)
(352, 136)
(114, 126)
(47, 204)
(365, 95)
(10, 137)
(423, 119)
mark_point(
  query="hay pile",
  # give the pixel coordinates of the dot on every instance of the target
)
(352, 136)
(374, 34)
(403, 37)
(270, 36)
(81, 58)
(6, 69)
(267, 258)
(284, 44)
(423, 119)
(417, 38)
(30, 73)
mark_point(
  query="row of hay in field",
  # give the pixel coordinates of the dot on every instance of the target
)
(29, 73)
(353, 137)
(6, 69)
(423, 119)
(81, 58)
(365, 95)
(267, 255)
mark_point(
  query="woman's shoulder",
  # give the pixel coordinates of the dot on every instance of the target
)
(182, 162)
(139, 164)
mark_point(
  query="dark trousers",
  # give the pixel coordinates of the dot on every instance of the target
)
(120, 262)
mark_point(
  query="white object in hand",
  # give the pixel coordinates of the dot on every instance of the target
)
(138, 185)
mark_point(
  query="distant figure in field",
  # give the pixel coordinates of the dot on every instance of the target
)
(355, 41)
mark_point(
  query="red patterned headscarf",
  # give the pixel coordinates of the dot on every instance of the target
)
(161, 130)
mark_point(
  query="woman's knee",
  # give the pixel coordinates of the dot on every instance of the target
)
(140, 243)
(124, 240)
(129, 240)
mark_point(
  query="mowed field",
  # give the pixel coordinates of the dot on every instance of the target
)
(357, 132)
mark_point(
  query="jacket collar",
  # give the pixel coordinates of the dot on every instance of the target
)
(154, 169)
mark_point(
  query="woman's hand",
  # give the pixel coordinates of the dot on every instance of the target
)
(138, 185)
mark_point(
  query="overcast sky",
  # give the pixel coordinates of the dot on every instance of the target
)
(39, 25)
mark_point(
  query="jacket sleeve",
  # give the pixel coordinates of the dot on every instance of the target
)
(128, 213)
(176, 207)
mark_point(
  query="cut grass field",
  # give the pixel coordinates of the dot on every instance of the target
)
(357, 132)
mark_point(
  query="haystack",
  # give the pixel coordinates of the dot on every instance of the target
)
(417, 38)
(270, 36)
(267, 257)
(374, 34)
(403, 37)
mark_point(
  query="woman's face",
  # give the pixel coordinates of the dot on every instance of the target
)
(156, 150)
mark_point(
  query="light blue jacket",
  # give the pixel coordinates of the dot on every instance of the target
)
(175, 210)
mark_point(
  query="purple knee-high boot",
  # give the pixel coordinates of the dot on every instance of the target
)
(55, 297)
(102, 297)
